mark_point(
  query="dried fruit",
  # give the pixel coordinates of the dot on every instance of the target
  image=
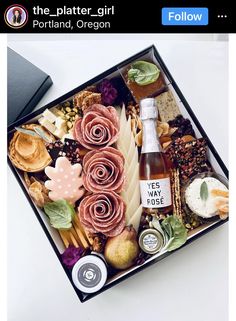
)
(187, 138)
(183, 125)
(138, 139)
(164, 126)
(165, 145)
(159, 131)
(99, 243)
(222, 204)
(218, 192)
(37, 190)
(165, 139)
(163, 130)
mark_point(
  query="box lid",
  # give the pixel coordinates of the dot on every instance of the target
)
(26, 84)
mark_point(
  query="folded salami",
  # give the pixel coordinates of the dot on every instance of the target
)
(103, 212)
(103, 170)
(98, 128)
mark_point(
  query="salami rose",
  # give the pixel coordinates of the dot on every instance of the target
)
(98, 128)
(104, 213)
(103, 170)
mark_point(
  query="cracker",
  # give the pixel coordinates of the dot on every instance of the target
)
(167, 106)
(175, 187)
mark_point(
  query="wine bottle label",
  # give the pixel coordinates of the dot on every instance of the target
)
(155, 193)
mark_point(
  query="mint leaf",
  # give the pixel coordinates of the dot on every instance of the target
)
(143, 73)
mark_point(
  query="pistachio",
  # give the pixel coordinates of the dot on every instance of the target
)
(75, 110)
(71, 113)
(67, 116)
(68, 109)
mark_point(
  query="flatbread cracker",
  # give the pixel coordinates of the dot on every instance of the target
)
(175, 186)
(167, 106)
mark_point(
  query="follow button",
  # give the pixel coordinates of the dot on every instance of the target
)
(184, 16)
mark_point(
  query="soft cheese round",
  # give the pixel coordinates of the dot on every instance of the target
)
(193, 199)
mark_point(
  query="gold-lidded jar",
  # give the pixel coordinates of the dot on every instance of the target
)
(151, 241)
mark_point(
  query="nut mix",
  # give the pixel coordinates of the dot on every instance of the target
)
(69, 113)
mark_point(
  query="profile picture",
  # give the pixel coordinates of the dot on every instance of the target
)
(16, 16)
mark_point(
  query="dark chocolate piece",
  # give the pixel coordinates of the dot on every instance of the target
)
(71, 150)
(55, 149)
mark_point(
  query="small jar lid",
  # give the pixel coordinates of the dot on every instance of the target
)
(89, 274)
(151, 241)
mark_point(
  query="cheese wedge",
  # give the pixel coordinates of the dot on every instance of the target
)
(135, 219)
(131, 194)
(133, 203)
(48, 115)
(47, 124)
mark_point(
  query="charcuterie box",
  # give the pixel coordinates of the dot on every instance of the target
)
(119, 173)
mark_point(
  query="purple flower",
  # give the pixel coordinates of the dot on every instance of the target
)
(71, 255)
(108, 91)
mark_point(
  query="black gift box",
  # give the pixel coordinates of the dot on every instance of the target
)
(216, 161)
(26, 85)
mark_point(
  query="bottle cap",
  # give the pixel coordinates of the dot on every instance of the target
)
(151, 241)
(148, 109)
(89, 274)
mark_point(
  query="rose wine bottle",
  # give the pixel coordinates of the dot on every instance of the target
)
(154, 168)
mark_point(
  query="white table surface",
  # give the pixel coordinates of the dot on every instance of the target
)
(190, 285)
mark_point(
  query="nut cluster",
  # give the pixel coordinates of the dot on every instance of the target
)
(68, 113)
